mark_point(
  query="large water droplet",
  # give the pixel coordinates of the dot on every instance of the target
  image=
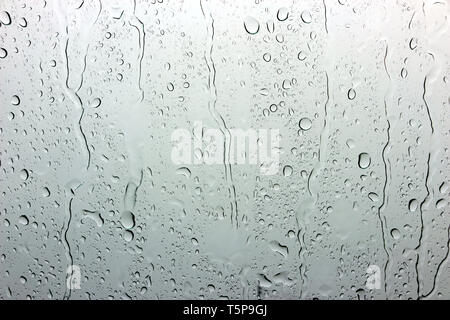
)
(24, 174)
(282, 14)
(306, 17)
(5, 18)
(23, 220)
(287, 171)
(395, 233)
(15, 100)
(3, 53)
(127, 219)
(128, 235)
(413, 205)
(364, 160)
(305, 124)
(184, 171)
(251, 25)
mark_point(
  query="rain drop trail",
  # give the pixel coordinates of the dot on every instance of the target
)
(419, 244)
(439, 267)
(133, 149)
(426, 104)
(311, 201)
(77, 102)
(387, 172)
(139, 25)
(322, 144)
(325, 16)
(69, 256)
(434, 144)
(218, 117)
(73, 93)
(131, 190)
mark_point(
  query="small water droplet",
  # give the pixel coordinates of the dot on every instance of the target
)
(373, 196)
(413, 43)
(351, 94)
(404, 73)
(270, 26)
(96, 103)
(301, 56)
(23, 22)
(184, 171)
(267, 57)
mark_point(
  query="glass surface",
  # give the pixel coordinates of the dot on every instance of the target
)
(224, 149)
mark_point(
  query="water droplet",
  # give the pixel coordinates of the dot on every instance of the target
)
(364, 160)
(3, 53)
(15, 100)
(23, 22)
(286, 84)
(404, 73)
(128, 235)
(127, 219)
(413, 43)
(282, 14)
(251, 25)
(395, 233)
(306, 17)
(24, 174)
(441, 203)
(373, 196)
(305, 124)
(351, 94)
(301, 56)
(96, 103)
(270, 26)
(413, 205)
(184, 171)
(23, 220)
(350, 143)
(45, 192)
(287, 171)
(267, 57)
(5, 18)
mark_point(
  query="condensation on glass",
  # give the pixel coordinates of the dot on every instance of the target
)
(224, 149)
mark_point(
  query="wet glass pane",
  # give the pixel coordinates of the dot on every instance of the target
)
(224, 149)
